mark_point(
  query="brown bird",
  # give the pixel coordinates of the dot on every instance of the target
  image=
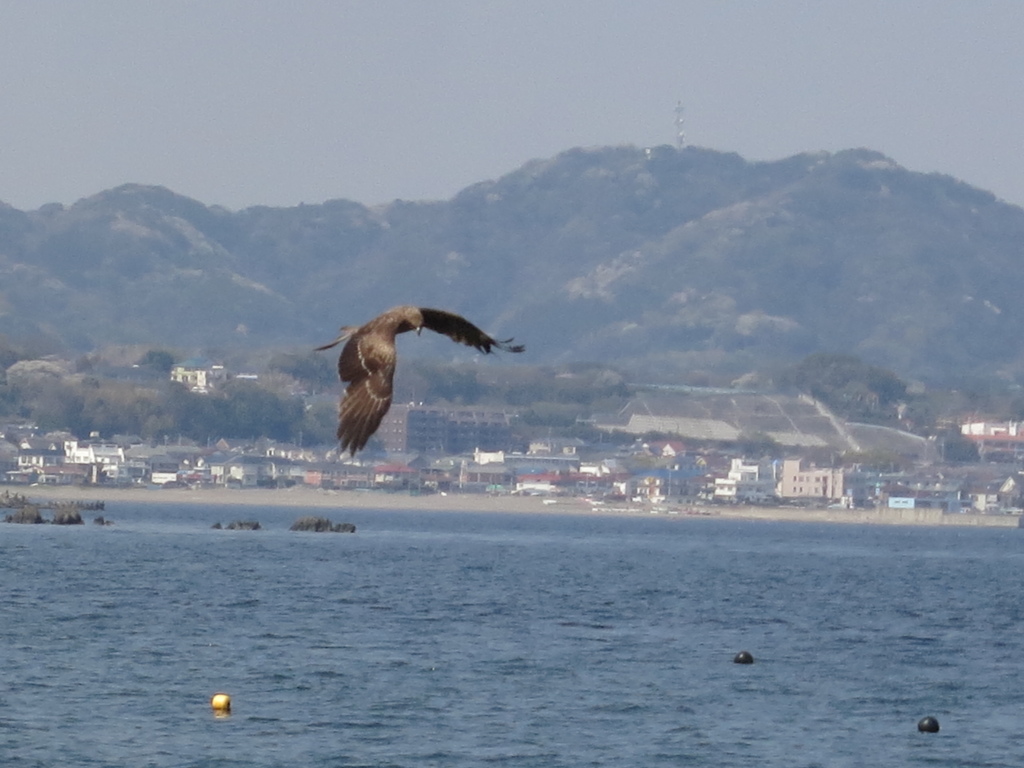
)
(367, 363)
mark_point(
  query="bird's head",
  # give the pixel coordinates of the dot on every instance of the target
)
(412, 320)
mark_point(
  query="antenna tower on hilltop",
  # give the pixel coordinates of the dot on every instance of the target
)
(680, 133)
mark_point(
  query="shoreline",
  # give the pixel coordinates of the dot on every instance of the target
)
(315, 498)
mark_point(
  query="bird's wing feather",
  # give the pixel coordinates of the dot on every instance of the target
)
(343, 335)
(459, 329)
(367, 362)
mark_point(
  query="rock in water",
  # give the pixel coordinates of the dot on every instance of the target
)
(321, 525)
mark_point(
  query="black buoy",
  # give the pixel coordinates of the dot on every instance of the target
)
(743, 657)
(928, 725)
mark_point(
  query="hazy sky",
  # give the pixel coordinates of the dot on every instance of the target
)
(247, 102)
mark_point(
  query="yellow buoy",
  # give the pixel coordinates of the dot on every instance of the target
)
(221, 704)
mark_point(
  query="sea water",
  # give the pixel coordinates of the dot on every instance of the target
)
(454, 639)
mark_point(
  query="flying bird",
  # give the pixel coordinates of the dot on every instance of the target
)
(367, 363)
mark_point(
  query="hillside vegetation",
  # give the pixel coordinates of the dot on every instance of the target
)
(689, 265)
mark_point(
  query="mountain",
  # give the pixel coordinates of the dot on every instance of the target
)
(690, 263)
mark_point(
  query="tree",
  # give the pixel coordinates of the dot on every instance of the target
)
(846, 384)
(158, 359)
(315, 370)
(56, 405)
(250, 410)
(9, 354)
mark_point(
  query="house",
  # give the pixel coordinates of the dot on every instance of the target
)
(541, 483)
(660, 484)
(34, 458)
(746, 482)
(667, 449)
(334, 476)
(394, 476)
(553, 446)
(38, 458)
(285, 472)
(488, 457)
(242, 471)
(651, 485)
(199, 376)
(163, 469)
(985, 497)
(42, 460)
(64, 474)
(533, 464)
(93, 453)
(1011, 492)
(486, 477)
(289, 451)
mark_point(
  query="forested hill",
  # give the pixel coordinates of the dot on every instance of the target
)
(663, 260)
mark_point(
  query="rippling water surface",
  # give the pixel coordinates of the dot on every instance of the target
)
(453, 640)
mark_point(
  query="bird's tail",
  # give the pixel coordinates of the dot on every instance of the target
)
(343, 335)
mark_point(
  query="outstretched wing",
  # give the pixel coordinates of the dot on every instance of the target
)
(459, 329)
(367, 362)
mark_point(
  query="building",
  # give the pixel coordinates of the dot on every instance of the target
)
(444, 429)
(798, 481)
(93, 453)
(486, 477)
(1006, 437)
(745, 484)
(199, 376)
(941, 496)
(664, 483)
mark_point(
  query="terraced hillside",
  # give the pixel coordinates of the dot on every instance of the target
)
(790, 421)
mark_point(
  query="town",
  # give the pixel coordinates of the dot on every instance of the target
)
(445, 449)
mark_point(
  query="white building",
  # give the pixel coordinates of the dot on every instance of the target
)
(198, 376)
(746, 483)
(93, 453)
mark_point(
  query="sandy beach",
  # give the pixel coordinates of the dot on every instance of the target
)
(340, 500)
